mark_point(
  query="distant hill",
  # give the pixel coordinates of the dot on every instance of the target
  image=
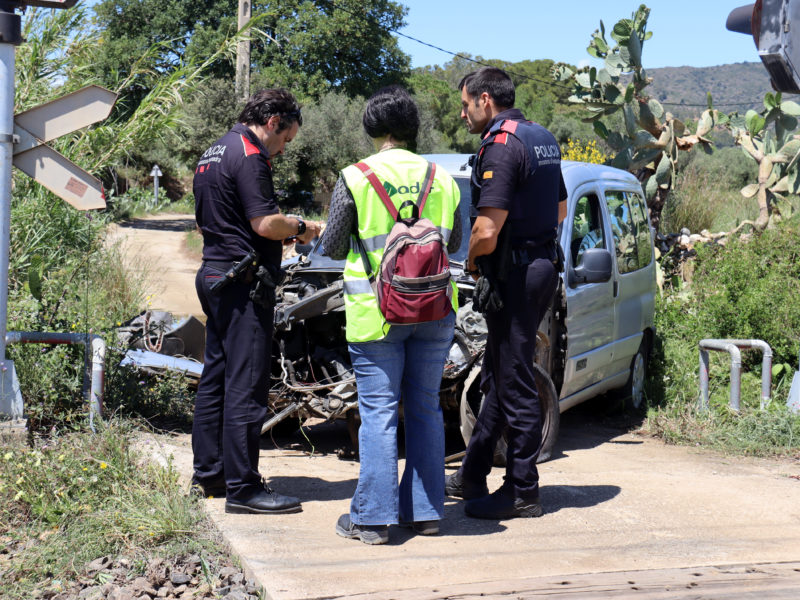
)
(738, 86)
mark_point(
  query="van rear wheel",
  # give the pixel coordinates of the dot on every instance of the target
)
(633, 390)
(472, 400)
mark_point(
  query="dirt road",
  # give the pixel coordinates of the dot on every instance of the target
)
(154, 247)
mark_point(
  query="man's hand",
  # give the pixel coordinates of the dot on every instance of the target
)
(312, 231)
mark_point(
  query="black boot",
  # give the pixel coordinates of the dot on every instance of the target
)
(265, 501)
(501, 504)
(208, 489)
(455, 485)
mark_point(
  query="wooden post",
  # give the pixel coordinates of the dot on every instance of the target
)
(243, 54)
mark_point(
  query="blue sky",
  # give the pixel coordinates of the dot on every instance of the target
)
(685, 32)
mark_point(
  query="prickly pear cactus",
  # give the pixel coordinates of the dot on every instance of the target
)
(650, 139)
(767, 137)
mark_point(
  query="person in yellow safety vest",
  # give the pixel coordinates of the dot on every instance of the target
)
(391, 361)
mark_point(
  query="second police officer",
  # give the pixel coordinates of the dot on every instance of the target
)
(516, 188)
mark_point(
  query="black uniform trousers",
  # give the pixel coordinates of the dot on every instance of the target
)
(507, 381)
(232, 395)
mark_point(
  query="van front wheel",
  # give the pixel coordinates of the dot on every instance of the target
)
(472, 400)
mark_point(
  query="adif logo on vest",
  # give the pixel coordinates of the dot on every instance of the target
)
(403, 189)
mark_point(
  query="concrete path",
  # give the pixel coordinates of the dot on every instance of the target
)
(615, 504)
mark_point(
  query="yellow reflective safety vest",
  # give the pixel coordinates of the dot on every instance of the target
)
(402, 174)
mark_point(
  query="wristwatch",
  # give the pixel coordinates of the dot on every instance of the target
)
(301, 226)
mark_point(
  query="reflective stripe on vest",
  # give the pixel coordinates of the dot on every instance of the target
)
(402, 173)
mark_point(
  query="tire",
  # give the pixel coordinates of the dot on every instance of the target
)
(472, 399)
(633, 390)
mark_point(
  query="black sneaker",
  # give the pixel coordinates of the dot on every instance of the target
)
(210, 489)
(501, 504)
(456, 486)
(422, 527)
(266, 501)
(369, 534)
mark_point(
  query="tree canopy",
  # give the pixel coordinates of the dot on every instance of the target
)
(309, 46)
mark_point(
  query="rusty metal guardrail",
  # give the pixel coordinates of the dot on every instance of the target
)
(732, 347)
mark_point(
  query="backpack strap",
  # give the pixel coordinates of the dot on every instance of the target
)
(381, 191)
(424, 191)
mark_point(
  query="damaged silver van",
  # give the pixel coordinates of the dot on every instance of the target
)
(596, 337)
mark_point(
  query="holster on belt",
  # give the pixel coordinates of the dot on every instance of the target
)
(238, 271)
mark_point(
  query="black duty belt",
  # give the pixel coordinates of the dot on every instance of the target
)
(527, 254)
(246, 276)
(222, 265)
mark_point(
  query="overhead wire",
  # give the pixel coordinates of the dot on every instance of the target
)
(362, 16)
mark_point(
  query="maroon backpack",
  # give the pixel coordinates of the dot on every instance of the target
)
(413, 283)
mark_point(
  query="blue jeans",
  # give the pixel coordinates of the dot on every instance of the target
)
(408, 362)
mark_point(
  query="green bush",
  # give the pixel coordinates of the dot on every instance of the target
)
(63, 278)
(747, 289)
(135, 202)
(330, 139)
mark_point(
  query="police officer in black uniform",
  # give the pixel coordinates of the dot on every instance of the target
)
(238, 215)
(516, 188)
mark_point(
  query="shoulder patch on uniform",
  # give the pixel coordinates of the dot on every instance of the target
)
(249, 147)
(488, 174)
(509, 126)
(501, 138)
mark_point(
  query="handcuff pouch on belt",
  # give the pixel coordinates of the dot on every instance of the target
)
(266, 280)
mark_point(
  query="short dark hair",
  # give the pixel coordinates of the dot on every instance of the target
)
(494, 82)
(269, 103)
(392, 111)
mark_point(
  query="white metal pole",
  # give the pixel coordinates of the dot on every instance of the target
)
(6, 154)
(10, 36)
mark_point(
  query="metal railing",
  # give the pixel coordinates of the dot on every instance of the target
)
(94, 380)
(732, 347)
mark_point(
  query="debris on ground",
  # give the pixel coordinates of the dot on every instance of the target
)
(171, 579)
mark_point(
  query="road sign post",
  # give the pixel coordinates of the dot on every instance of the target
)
(10, 36)
(22, 144)
(155, 173)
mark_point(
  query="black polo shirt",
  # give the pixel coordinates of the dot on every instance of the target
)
(233, 184)
(519, 181)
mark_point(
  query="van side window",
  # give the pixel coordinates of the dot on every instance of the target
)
(587, 228)
(641, 224)
(631, 231)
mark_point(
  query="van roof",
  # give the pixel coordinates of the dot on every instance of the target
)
(574, 172)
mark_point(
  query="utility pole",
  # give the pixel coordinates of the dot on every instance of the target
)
(243, 53)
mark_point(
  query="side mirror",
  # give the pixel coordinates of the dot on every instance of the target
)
(596, 267)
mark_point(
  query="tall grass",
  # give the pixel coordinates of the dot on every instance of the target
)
(62, 277)
(82, 496)
(747, 289)
(706, 193)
